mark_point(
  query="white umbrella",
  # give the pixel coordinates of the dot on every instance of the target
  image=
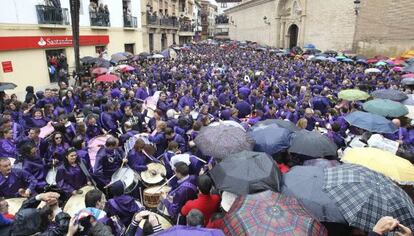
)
(372, 70)
(158, 56)
(228, 123)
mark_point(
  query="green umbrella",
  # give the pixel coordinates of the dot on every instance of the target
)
(340, 57)
(353, 95)
(385, 107)
(381, 63)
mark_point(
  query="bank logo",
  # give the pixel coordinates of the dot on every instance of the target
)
(41, 42)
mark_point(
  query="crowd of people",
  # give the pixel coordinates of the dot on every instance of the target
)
(204, 84)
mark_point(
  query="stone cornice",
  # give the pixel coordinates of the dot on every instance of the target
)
(246, 5)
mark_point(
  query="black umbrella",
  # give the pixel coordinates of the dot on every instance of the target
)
(247, 172)
(390, 94)
(100, 62)
(281, 123)
(330, 52)
(6, 86)
(88, 60)
(312, 144)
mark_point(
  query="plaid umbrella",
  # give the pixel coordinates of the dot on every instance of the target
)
(390, 94)
(281, 123)
(222, 140)
(385, 107)
(270, 213)
(312, 144)
(364, 196)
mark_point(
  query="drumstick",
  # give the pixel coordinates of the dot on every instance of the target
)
(200, 159)
(140, 196)
(165, 183)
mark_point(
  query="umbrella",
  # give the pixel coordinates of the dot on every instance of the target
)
(347, 60)
(330, 52)
(340, 57)
(221, 141)
(271, 139)
(409, 69)
(247, 172)
(228, 123)
(385, 107)
(410, 111)
(306, 184)
(386, 163)
(88, 60)
(372, 60)
(353, 95)
(371, 122)
(409, 100)
(107, 78)
(331, 59)
(309, 46)
(7, 86)
(320, 162)
(270, 213)
(127, 68)
(363, 61)
(312, 144)
(372, 70)
(408, 81)
(99, 71)
(182, 230)
(390, 94)
(157, 56)
(100, 62)
(319, 58)
(120, 56)
(381, 63)
(410, 75)
(281, 123)
(364, 196)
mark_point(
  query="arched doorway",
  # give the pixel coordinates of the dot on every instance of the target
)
(293, 35)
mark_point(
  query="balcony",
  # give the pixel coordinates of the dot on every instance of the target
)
(130, 22)
(100, 19)
(186, 29)
(163, 21)
(49, 15)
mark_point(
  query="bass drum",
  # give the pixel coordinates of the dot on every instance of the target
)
(128, 177)
(76, 202)
(15, 204)
(154, 175)
(164, 222)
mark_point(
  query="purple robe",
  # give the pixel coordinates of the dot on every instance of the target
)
(93, 131)
(186, 190)
(137, 161)
(8, 148)
(56, 152)
(36, 167)
(106, 163)
(70, 178)
(84, 156)
(123, 206)
(17, 179)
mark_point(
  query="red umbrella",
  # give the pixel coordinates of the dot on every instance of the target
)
(372, 60)
(99, 71)
(107, 78)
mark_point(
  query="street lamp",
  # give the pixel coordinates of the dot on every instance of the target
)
(357, 5)
(266, 21)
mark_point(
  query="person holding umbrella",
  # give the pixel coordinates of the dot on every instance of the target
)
(388, 224)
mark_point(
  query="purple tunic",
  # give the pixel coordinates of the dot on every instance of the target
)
(137, 161)
(36, 167)
(106, 163)
(123, 206)
(17, 179)
(185, 191)
(70, 178)
(8, 148)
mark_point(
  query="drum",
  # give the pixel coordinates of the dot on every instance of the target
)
(152, 195)
(51, 176)
(154, 175)
(15, 204)
(164, 222)
(76, 202)
(128, 177)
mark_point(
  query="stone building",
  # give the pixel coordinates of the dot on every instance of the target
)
(208, 16)
(377, 27)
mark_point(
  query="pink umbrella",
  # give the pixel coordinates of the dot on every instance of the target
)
(94, 145)
(127, 69)
(411, 75)
(397, 68)
(107, 78)
(99, 71)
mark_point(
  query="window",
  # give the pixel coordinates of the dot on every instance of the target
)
(99, 49)
(56, 64)
(151, 42)
(129, 47)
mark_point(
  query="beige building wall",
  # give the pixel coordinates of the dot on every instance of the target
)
(247, 23)
(330, 24)
(30, 66)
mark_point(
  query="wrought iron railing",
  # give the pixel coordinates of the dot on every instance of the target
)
(52, 15)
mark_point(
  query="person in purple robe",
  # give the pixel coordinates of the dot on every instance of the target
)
(271, 113)
(56, 150)
(128, 133)
(121, 205)
(170, 135)
(186, 100)
(108, 160)
(36, 119)
(69, 102)
(143, 91)
(137, 160)
(92, 127)
(107, 120)
(335, 136)
(15, 182)
(401, 135)
(163, 104)
(69, 176)
(82, 152)
(159, 138)
(244, 107)
(7, 144)
(34, 165)
(18, 130)
(186, 190)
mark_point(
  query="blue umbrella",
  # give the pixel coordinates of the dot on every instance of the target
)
(332, 59)
(371, 122)
(347, 60)
(390, 94)
(362, 61)
(409, 68)
(320, 58)
(410, 100)
(408, 81)
(309, 46)
(181, 230)
(271, 139)
(306, 184)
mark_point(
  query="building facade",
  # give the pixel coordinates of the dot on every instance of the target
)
(222, 26)
(328, 24)
(31, 33)
(208, 17)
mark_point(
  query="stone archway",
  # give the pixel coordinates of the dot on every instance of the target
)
(293, 33)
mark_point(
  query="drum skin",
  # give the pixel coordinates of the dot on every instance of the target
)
(76, 202)
(15, 204)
